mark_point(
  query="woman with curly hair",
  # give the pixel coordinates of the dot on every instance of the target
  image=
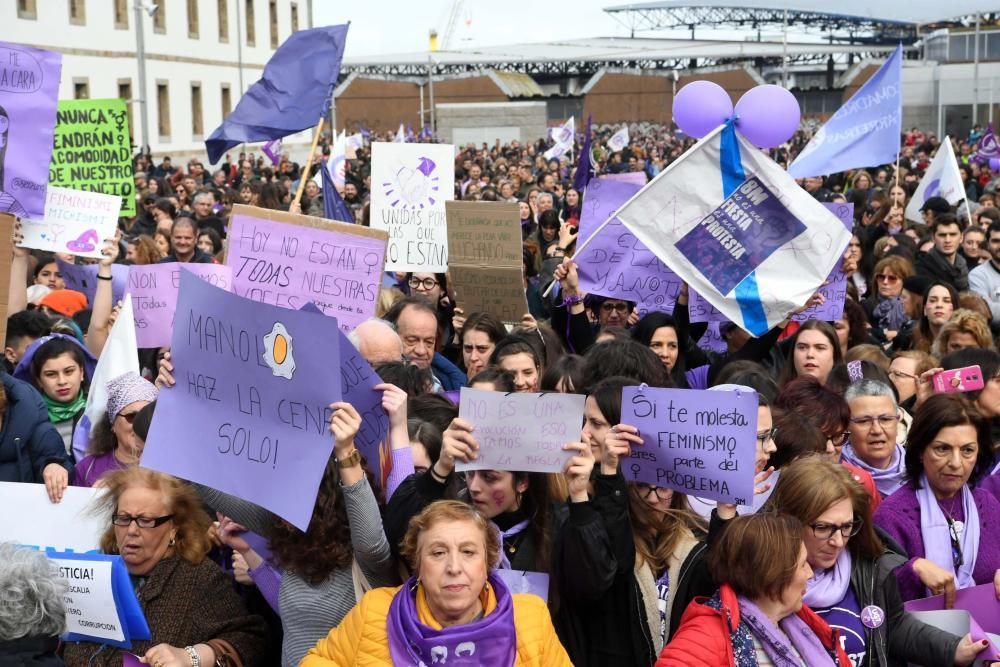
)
(143, 250)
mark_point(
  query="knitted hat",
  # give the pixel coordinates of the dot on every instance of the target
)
(64, 301)
(126, 389)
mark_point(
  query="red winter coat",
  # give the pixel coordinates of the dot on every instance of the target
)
(704, 638)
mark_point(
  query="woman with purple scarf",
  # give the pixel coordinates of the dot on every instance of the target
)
(853, 588)
(757, 617)
(949, 528)
(872, 443)
(453, 611)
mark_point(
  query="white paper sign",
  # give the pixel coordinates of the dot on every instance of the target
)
(90, 600)
(29, 518)
(76, 222)
(410, 184)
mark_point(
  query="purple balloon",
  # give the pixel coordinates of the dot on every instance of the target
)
(700, 107)
(767, 116)
(995, 163)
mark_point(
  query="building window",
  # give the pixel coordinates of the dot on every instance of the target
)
(26, 9)
(224, 21)
(197, 122)
(163, 109)
(160, 18)
(295, 17)
(227, 100)
(125, 93)
(272, 15)
(121, 14)
(192, 19)
(77, 12)
(81, 89)
(251, 30)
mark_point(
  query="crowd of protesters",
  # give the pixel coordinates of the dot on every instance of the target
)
(871, 488)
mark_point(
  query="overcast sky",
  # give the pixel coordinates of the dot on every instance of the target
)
(402, 26)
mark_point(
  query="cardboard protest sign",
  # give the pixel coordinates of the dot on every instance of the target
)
(980, 601)
(485, 257)
(153, 291)
(289, 260)
(358, 380)
(523, 431)
(697, 442)
(41, 524)
(101, 605)
(961, 622)
(712, 339)
(250, 413)
(83, 278)
(410, 184)
(75, 222)
(29, 88)
(93, 151)
(615, 263)
(834, 290)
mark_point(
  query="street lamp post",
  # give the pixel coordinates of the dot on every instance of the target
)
(140, 49)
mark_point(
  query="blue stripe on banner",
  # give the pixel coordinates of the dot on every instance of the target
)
(747, 294)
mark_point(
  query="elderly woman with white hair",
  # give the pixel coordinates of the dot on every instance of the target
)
(873, 424)
(32, 612)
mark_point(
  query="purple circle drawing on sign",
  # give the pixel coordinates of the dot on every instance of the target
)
(872, 616)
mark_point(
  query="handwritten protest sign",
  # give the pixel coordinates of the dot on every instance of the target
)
(153, 290)
(75, 222)
(700, 310)
(523, 431)
(616, 264)
(93, 151)
(696, 442)
(250, 413)
(485, 256)
(712, 339)
(83, 278)
(834, 290)
(101, 605)
(29, 88)
(289, 260)
(358, 380)
(40, 524)
(410, 184)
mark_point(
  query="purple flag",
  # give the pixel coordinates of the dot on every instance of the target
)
(272, 150)
(988, 147)
(334, 207)
(250, 413)
(291, 96)
(29, 90)
(585, 165)
(696, 442)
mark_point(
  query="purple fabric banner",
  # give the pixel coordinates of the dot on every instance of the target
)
(696, 442)
(29, 90)
(358, 380)
(616, 263)
(250, 413)
(153, 290)
(290, 265)
(83, 278)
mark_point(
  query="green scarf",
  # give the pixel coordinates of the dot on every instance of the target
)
(60, 412)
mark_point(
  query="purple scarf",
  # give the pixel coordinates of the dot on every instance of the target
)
(805, 642)
(936, 534)
(491, 640)
(887, 481)
(828, 587)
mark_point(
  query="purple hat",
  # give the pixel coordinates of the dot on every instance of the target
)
(126, 389)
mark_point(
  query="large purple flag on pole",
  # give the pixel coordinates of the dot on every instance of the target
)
(334, 207)
(584, 166)
(291, 96)
(29, 91)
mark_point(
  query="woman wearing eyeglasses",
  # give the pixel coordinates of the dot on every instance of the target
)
(872, 443)
(195, 617)
(434, 288)
(884, 306)
(905, 370)
(948, 526)
(852, 587)
(114, 444)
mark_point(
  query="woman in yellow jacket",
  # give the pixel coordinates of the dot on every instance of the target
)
(452, 612)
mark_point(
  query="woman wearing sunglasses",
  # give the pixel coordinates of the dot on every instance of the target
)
(852, 587)
(884, 305)
(949, 528)
(114, 444)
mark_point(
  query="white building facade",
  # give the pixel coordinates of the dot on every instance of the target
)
(201, 55)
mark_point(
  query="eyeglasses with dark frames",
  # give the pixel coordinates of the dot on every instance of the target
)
(825, 531)
(122, 519)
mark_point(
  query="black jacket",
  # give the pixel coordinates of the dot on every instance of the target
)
(934, 265)
(28, 440)
(30, 652)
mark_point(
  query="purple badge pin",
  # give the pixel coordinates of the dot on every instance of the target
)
(872, 616)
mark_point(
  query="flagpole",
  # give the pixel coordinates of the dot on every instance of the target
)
(304, 176)
(614, 214)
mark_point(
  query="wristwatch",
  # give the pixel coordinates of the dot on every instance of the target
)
(349, 461)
